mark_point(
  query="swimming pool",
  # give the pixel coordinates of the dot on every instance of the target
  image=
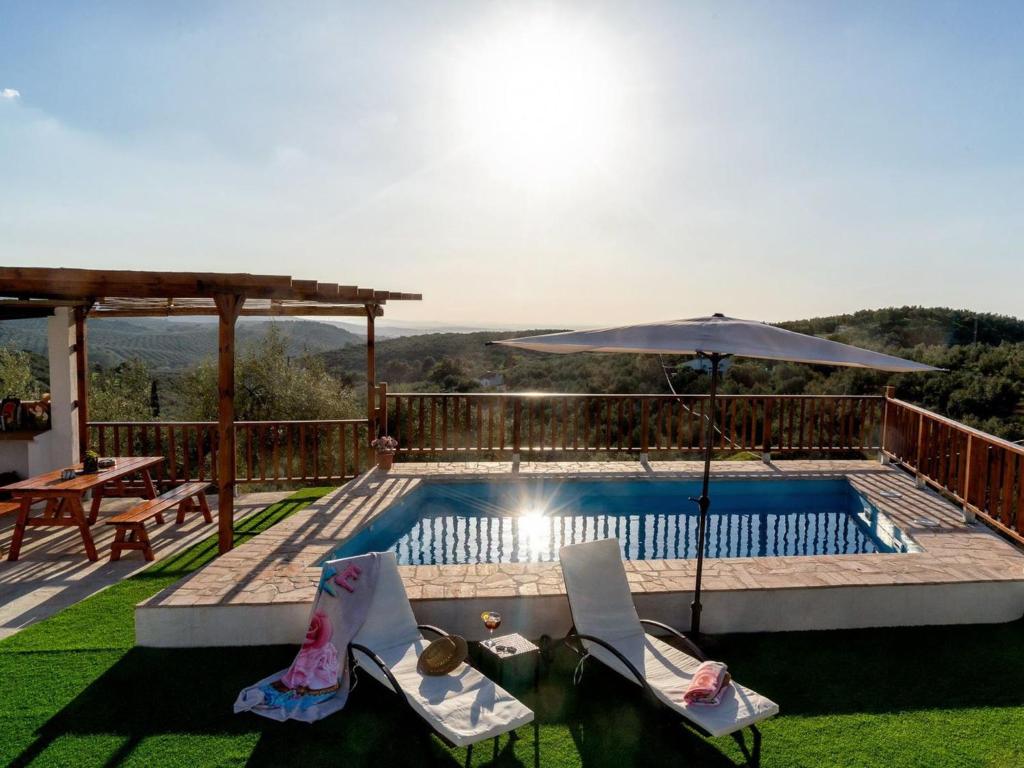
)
(445, 523)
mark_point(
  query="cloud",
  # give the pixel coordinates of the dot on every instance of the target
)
(10, 94)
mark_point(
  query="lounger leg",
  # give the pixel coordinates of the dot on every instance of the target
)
(513, 736)
(752, 756)
(469, 755)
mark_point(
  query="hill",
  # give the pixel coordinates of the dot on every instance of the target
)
(908, 327)
(983, 355)
(172, 345)
(983, 385)
(412, 358)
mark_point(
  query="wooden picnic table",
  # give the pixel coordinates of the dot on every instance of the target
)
(64, 498)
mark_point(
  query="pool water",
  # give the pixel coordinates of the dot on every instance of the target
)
(443, 523)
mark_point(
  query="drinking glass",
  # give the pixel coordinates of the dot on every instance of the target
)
(492, 620)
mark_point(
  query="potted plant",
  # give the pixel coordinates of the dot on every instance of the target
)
(386, 446)
(90, 462)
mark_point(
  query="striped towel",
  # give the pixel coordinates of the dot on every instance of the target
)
(706, 687)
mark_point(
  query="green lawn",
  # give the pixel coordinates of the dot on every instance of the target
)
(75, 692)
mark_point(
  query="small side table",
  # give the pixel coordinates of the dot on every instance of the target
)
(513, 652)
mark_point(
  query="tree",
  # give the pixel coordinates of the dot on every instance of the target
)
(269, 386)
(121, 393)
(450, 376)
(16, 378)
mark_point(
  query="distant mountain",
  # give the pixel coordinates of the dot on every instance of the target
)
(386, 330)
(897, 330)
(411, 358)
(908, 327)
(982, 354)
(173, 345)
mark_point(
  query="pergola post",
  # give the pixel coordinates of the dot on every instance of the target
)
(371, 372)
(228, 307)
(82, 375)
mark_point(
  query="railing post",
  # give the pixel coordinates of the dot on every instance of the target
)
(918, 473)
(883, 452)
(517, 413)
(968, 473)
(645, 418)
(766, 443)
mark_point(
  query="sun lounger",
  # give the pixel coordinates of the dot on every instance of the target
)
(462, 707)
(606, 627)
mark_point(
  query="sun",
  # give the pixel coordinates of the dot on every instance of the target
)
(539, 99)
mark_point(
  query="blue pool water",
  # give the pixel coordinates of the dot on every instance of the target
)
(526, 521)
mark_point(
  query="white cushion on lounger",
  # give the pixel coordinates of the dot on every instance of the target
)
(668, 671)
(598, 591)
(464, 706)
(602, 606)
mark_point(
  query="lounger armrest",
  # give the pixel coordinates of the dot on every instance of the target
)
(616, 653)
(432, 628)
(380, 664)
(688, 645)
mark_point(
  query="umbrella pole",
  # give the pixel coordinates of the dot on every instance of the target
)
(703, 502)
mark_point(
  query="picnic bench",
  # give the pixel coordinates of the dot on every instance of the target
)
(8, 507)
(131, 525)
(64, 498)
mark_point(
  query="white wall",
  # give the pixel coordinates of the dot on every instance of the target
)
(27, 457)
(63, 389)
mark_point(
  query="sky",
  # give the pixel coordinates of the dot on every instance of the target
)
(528, 164)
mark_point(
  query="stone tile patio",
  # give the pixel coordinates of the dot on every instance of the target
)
(53, 573)
(964, 573)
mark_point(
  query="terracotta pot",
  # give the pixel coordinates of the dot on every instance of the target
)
(385, 460)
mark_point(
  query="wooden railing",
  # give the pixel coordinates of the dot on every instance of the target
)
(980, 471)
(533, 425)
(266, 451)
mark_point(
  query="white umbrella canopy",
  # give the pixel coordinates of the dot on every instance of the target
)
(716, 335)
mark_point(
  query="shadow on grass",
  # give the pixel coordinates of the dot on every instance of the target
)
(882, 670)
(189, 693)
(602, 722)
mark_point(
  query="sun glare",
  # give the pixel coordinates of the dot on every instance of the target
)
(534, 530)
(539, 101)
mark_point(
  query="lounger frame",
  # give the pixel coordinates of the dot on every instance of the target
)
(397, 689)
(574, 641)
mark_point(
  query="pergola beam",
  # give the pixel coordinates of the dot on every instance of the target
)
(305, 310)
(39, 292)
(81, 284)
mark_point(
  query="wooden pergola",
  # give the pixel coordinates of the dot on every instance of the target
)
(39, 292)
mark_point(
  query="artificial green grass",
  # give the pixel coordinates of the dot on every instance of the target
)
(75, 692)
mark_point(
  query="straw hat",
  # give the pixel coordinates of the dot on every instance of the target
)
(443, 655)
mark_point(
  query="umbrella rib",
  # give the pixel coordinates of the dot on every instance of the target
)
(685, 407)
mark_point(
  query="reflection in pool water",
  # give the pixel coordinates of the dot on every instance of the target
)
(529, 521)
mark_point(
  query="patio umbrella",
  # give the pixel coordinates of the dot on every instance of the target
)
(714, 338)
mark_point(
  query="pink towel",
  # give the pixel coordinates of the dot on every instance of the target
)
(706, 686)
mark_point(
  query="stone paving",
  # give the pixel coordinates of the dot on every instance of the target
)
(281, 565)
(53, 573)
